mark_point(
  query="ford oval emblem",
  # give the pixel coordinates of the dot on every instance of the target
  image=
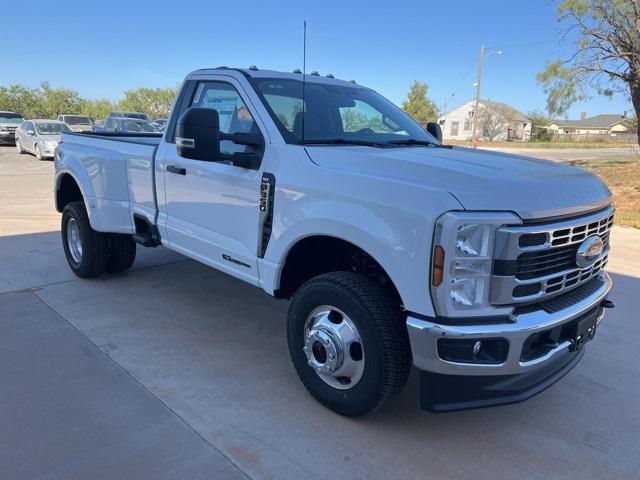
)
(589, 251)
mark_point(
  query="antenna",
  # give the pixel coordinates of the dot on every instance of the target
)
(304, 73)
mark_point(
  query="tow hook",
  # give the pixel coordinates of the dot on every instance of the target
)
(607, 304)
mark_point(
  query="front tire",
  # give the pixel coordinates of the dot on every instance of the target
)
(348, 343)
(39, 153)
(86, 250)
(19, 146)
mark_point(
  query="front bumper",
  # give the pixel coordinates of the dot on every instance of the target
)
(7, 137)
(441, 378)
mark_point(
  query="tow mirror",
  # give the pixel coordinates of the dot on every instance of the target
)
(434, 129)
(198, 134)
(198, 137)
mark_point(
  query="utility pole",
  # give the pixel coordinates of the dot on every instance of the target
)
(476, 107)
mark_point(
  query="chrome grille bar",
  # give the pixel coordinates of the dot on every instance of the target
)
(528, 270)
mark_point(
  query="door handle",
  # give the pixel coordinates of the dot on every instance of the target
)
(176, 170)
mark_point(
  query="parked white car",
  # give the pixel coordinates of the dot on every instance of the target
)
(77, 123)
(483, 270)
(40, 137)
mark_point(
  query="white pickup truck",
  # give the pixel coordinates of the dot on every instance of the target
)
(483, 270)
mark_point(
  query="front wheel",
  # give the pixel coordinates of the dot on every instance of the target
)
(348, 342)
(19, 146)
(86, 250)
(38, 153)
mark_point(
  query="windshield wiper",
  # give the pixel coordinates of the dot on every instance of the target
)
(413, 141)
(343, 141)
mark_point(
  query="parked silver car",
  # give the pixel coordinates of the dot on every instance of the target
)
(77, 123)
(40, 137)
(9, 122)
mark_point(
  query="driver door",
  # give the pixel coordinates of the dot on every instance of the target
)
(212, 211)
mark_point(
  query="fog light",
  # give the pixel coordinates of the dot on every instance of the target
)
(485, 351)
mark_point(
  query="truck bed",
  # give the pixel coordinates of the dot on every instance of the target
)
(119, 170)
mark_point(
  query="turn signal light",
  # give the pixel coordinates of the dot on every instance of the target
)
(438, 266)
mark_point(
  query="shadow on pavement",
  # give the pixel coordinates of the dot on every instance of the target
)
(213, 349)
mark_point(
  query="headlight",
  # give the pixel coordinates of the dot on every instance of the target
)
(50, 143)
(3, 129)
(462, 260)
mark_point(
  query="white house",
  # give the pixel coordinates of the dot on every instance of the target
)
(496, 121)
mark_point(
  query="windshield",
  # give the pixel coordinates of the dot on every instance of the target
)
(12, 118)
(52, 128)
(77, 120)
(141, 116)
(336, 114)
(137, 126)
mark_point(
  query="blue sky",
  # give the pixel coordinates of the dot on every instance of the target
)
(103, 48)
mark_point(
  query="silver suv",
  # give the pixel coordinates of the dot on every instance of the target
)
(9, 122)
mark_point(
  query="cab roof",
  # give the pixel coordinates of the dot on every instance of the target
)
(254, 72)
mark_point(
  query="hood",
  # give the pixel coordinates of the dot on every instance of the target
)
(54, 138)
(479, 179)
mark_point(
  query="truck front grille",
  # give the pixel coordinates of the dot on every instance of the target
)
(536, 262)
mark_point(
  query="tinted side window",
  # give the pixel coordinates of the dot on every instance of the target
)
(232, 111)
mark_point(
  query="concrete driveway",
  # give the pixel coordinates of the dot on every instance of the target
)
(208, 354)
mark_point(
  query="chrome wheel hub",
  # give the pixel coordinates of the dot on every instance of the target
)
(73, 240)
(333, 347)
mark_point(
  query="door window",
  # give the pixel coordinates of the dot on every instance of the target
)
(232, 111)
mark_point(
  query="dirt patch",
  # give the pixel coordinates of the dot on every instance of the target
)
(622, 176)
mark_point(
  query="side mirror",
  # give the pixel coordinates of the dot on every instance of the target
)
(198, 134)
(435, 129)
(31, 132)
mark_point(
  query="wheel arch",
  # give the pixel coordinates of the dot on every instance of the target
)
(67, 190)
(316, 254)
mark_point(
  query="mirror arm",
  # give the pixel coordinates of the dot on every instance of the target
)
(249, 160)
(239, 138)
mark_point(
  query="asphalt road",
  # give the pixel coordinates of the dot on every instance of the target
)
(572, 154)
(206, 354)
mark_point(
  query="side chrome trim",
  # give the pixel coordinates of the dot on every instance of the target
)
(185, 142)
(424, 335)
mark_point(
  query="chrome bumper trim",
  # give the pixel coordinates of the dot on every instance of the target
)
(424, 334)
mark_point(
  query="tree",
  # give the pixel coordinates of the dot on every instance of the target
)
(605, 57)
(17, 98)
(539, 122)
(58, 101)
(155, 102)
(493, 121)
(418, 104)
(95, 108)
